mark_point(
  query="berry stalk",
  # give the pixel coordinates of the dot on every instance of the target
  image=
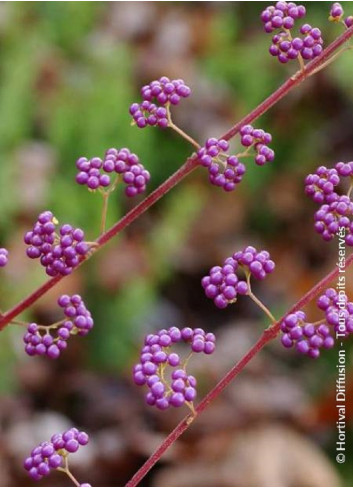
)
(260, 304)
(180, 131)
(66, 471)
(267, 335)
(190, 164)
(104, 211)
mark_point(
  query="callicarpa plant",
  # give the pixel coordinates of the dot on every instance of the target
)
(161, 371)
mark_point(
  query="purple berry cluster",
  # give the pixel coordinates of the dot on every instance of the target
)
(320, 186)
(94, 173)
(307, 338)
(331, 217)
(258, 263)
(286, 49)
(284, 46)
(90, 173)
(51, 455)
(345, 169)
(149, 114)
(282, 16)
(312, 42)
(78, 318)
(258, 139)
(156, 355)
(46, 344)
(52, 340)
(165, 91)
(338, 311)
(59, 254)
(336, 15)
(336, 210)
(4, 257)
(156, 96)
(223, 284)
(224, 171)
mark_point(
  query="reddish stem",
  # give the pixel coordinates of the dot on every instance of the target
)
(268, 335)
(190, 164)
(292, 82)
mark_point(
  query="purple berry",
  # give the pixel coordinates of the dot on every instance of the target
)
(3, 257)
(72, 445)
(55, 461)
(348, 21)
(336, 12)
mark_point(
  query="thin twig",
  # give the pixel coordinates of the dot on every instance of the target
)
(257, 300)
(73, 478)
(180, 131)
(67, 471)
(331, 59)
(104, 211)
(262, 306)
(40, 326)
(184, 135)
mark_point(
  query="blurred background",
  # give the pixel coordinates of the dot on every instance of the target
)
(68, 73)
